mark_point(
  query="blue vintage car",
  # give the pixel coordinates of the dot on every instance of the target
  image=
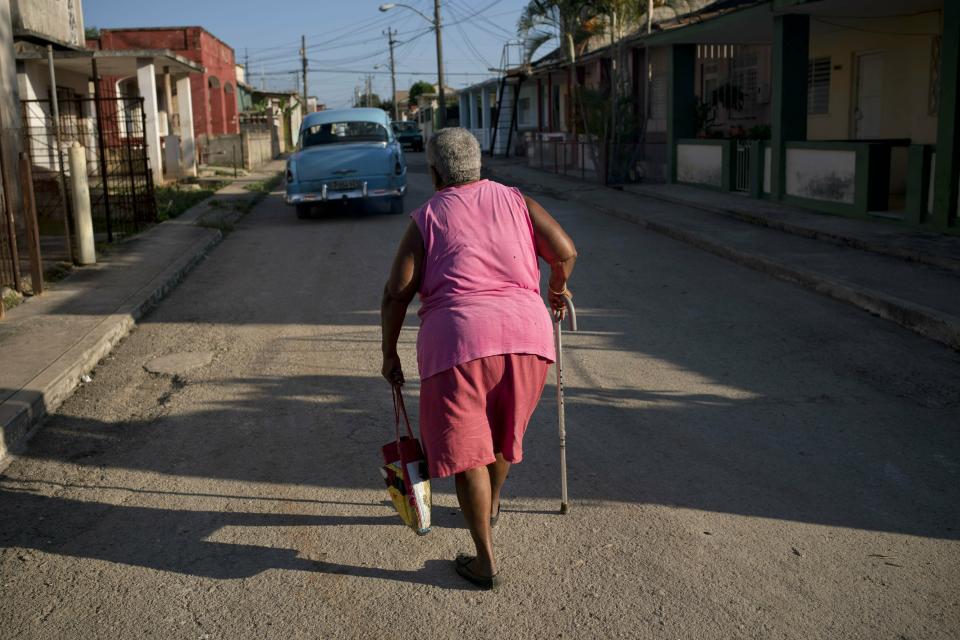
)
(346, 155)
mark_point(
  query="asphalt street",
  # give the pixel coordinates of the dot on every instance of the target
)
(747, 460)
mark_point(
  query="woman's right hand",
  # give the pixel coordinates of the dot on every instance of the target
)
(558, 301)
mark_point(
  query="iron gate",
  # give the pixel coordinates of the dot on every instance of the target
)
(742, 168)
(111, 129)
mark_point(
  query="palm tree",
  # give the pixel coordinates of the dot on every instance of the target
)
(544, 20)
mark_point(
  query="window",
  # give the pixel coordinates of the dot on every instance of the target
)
(523, 111)
(338, 132)
(745, 81)
(818, 86)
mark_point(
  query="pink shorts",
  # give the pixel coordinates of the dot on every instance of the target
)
(477, 409)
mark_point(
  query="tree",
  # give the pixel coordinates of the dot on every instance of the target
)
(605, 115)
(91, 33)
(367, 100)
(419, 88)
(387, 105)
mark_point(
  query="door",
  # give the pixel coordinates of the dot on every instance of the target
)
(867, 112)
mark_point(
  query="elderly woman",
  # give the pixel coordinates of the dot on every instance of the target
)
(485, 341)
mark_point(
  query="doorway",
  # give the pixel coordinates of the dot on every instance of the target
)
(869, 98)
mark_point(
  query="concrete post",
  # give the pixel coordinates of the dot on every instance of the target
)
(10, 123)
(82, 213)
(147, 85)
(947, 169)
(791, 44)
(188, 149)
(485, 116)
(681, 101)
(168, 99)
(472, 108)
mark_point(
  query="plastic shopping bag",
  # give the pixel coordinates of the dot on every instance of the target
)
(405, 473)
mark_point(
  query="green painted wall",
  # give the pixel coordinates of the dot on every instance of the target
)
(948, 128)
(791, 43)
(681, 101)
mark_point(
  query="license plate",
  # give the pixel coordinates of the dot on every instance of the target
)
(343, 185)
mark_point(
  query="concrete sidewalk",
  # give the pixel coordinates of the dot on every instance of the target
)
(911, 278)
(50, 342)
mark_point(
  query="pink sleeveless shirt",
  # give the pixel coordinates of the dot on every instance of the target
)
(480, 288)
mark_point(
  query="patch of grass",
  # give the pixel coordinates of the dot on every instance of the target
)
(173, 201)
(57, 271)
(11, 300)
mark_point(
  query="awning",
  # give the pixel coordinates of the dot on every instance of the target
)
(116, 63)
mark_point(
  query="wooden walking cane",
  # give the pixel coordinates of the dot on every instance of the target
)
(558, 342)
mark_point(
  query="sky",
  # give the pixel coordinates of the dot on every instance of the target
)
(345, 38)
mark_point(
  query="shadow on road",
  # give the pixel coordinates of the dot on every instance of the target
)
(790, 418)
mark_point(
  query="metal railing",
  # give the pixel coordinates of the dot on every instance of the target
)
(620, 163)
(563, 157)
(741, 176)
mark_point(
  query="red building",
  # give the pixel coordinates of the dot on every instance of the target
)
(214, 92)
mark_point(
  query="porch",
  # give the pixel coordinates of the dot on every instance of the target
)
(797, 102)
(130, 111)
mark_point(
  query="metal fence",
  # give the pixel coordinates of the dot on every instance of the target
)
(620, 163)
(563, 157)
(118, 168)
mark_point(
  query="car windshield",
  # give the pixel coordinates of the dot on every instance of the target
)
(342, 132)
(405, 127)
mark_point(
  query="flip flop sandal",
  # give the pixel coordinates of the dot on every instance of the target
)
(463, 569)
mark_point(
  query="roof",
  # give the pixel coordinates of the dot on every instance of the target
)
(116, 62)
(350, 115)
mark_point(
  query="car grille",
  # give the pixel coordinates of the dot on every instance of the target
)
(344, 185)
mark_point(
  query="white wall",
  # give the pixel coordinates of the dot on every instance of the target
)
(700, 164)
(821, 174)
(57, 19)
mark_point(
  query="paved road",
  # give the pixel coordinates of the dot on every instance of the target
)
(747, 460)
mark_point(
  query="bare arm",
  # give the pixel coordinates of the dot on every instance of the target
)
(402, 285)
(557, 250)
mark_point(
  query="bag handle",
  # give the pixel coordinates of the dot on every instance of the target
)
(399, 408)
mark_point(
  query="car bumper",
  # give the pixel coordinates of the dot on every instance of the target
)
(326, 195)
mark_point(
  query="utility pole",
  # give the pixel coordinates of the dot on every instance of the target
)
(441, 93)
(393, 75)
(303, 62)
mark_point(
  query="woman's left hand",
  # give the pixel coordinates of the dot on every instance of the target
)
(392, 370)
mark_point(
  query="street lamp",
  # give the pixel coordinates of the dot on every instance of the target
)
(436, 27)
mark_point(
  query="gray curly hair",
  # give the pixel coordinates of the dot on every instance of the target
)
(455, 155)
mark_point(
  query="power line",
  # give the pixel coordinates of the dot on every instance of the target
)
(287, 72)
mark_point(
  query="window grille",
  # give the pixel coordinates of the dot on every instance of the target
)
(818, 86)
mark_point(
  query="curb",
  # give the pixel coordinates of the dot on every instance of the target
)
(814, 234)
(23, 412)
(927, 322)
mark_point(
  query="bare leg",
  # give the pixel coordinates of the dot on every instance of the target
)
(473, 493)
(498, 475)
